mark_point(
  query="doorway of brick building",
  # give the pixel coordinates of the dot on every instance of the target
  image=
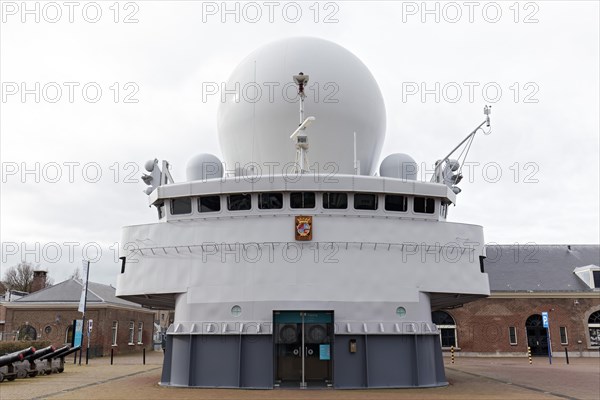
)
(537, 336)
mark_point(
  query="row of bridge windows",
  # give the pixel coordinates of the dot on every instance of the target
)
(303, 200)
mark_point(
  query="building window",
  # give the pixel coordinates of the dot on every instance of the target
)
(69, 335)
(140, 332)
(424, 205)
(131, 331)
(594, 329)
(115, 327)
(365, 201)
(596, 276)
(27, 332)
(337, 201)
(563, 335)
(302, 200)
(47, 329)
(181, 206)
(512, 335)
(209, 204)
(239, 202)
(270, 201)
(395, 203)
(447, 327)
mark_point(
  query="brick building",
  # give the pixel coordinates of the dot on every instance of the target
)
(48, 314)
(526, 281)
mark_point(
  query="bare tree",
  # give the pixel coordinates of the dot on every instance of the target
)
(20, 277)
(76, 274)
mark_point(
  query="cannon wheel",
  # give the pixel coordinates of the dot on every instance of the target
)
(1, 376)
(21, 373)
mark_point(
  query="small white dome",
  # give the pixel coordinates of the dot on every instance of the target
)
(399, 165)
(203, 166)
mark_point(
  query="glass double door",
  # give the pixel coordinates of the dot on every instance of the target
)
(303, 348)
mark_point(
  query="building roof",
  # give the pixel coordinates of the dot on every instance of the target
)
(539, 268)
(69, 291)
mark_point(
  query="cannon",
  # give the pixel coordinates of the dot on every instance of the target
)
(28, 367)
(7, 363)
(55, 362)
(55, 353)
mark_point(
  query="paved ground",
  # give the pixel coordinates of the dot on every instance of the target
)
(470, 378)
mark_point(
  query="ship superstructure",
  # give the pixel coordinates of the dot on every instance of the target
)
(287, 273)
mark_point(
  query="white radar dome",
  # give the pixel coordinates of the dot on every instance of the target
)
(261, 108)
(399, 165)
(203, 167)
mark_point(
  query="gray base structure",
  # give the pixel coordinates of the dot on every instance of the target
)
(252, 361)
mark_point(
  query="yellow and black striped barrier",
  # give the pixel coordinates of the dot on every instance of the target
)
(529, 354)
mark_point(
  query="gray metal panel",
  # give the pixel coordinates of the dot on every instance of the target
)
(390, 361)
(439, 363)
(349, 369)
(256, 364)
(180, 361)
(426, 361)
(215, 361)
(165, 378)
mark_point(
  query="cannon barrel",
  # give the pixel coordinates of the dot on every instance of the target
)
(40, 353)
(66, 353)
(16, 356)
(10, 358)
(55, 353)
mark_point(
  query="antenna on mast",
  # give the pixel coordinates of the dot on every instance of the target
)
(299, 136)
(450, 173)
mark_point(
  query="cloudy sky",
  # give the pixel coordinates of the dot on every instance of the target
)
(91, 90)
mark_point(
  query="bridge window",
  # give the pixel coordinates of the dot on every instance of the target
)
(335, 200)
(395, 203)
(424, 205)
(181, 206)
(209, 204)
(365, 201)
(302, 200)
(239, 202)
(269, 201)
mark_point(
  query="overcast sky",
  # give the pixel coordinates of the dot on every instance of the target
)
(534, 179)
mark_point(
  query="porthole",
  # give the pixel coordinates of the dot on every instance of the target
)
(401, 312)
(47, 329)
(236, 311)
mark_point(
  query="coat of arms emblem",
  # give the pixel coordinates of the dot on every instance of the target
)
(303, 227)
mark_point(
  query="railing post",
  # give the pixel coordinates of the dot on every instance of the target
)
(144, 355)
(567, 355)
(452, 354)
(111, 356)
(529, 354)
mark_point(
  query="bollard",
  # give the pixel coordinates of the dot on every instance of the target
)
(87, 355)
(111, 356)
(529, 354)
(452, 354)
(567, 355)
(144, 355)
